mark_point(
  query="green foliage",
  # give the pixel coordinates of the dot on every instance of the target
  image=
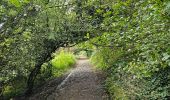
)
(105, 57)
(154, 87)
(131, 41)
(61, 62)
(15, 3)
(15, 88)
(31, 30)
(84, 49)
(134, 50)
(115, 90)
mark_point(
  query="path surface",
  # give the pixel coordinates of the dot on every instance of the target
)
(82, 83)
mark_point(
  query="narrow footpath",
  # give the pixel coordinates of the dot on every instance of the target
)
(82, 83)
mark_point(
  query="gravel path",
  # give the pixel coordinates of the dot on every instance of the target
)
(83, 83)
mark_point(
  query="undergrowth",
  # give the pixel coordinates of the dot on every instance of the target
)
(124, 85)
(62, 62)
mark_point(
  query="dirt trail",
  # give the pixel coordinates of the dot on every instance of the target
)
(82, 83)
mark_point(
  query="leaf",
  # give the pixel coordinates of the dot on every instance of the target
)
(12, 12)
(167, 8)
(165, 56)
(16, 3)
(87, 36)
(26, 1)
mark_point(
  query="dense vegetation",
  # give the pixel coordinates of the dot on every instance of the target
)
(135, 51)
(30, 32)
(60, 63)
(130, 39)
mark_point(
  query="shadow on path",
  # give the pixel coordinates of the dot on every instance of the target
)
(82, 83)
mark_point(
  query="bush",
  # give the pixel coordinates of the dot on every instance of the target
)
(14, 88)
(104, 58)
(122, 84)
(62, 62)
(136, 52)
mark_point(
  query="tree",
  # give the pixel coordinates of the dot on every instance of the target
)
(30, 32)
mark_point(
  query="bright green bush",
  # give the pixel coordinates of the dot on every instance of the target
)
(61, 62)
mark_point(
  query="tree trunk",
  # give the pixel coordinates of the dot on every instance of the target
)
(30, 82)
(1, 91)
(31, 79)
(40, 61)
(46, 57)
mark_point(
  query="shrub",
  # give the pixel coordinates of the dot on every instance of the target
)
(62, 62)
(122, 84)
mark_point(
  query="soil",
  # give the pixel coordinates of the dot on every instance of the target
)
(82, 83)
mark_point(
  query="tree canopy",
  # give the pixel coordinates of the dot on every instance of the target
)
(129, 36)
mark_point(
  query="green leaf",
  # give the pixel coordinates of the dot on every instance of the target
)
(165, 56)
(16, 3)
(167, 8)
(26, 1)
(12, 12)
